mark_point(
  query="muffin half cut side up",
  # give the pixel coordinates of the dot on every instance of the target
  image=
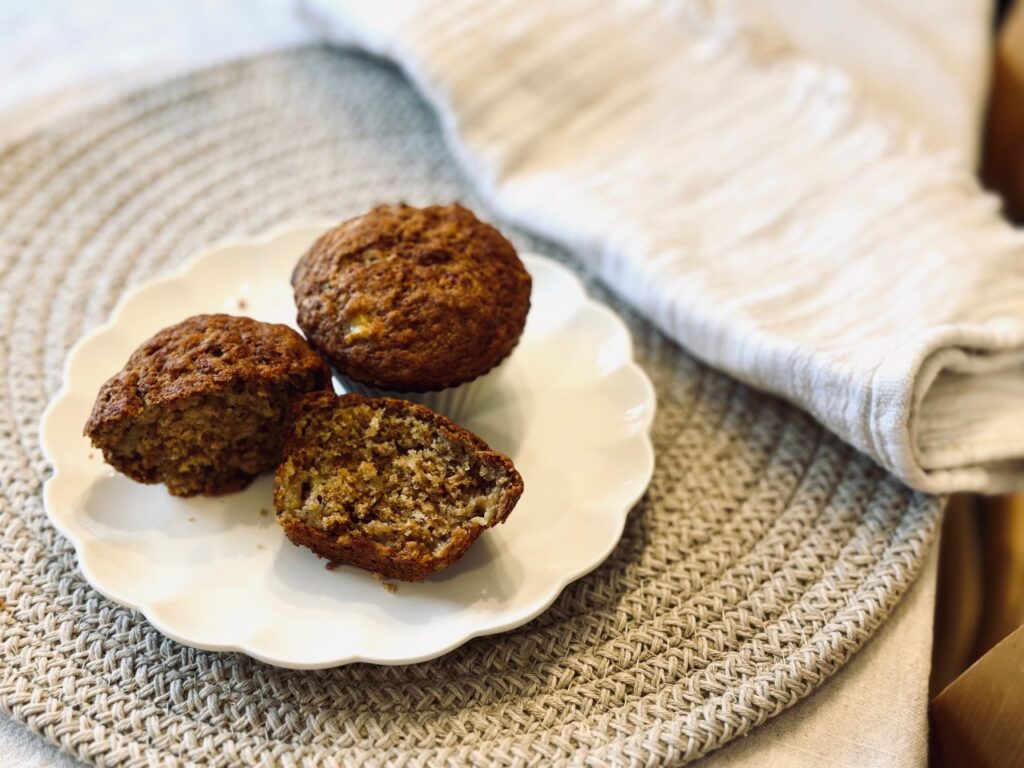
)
(387, 485)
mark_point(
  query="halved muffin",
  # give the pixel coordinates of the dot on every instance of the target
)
(387, 485)
(201, 406)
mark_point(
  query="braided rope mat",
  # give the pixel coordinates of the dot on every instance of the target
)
(764, 554)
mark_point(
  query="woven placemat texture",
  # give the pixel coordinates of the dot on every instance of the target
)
(763, 555)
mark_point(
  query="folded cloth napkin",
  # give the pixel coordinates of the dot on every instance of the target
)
(748, 201)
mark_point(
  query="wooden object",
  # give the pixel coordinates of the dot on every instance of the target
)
(979, 718)
(1003, 152)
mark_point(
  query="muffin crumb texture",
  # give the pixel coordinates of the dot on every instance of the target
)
(388, 486)
(201, 405)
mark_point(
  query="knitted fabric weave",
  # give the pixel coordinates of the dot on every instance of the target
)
(763, 555)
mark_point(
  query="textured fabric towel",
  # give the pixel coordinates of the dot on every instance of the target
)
(748, 201)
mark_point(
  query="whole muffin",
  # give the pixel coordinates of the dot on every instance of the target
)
(201, 405)
(387, 485)
(412, 299)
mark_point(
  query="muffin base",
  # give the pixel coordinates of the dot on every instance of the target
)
(457, 403)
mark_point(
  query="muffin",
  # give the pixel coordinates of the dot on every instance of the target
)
(387, 485)
(412, 300)
(201, 405)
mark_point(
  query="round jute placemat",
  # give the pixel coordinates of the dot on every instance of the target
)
(763, 555)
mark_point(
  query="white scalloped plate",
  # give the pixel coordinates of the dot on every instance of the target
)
(570, 407)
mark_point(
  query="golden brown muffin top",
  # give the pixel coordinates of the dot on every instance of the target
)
(203, 354)
(413, 299)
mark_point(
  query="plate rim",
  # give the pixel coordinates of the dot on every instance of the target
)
(262, 240)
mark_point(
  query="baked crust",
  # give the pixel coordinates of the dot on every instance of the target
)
(205, 359)
(412, 299)
(406, 563)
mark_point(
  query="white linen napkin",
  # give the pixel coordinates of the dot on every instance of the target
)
(748, 201)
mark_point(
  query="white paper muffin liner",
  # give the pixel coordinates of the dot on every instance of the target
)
(457, 403)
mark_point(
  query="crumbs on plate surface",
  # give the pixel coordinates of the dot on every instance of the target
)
(390, 586)
(264, 513)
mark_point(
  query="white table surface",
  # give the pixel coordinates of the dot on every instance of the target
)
(59, 55)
